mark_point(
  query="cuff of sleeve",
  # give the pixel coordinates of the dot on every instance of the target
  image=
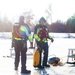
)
(39, 39)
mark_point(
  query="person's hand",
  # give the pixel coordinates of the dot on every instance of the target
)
(40, 41)
(52, 39)
(38, 48)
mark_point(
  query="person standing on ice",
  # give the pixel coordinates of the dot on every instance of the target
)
(21, 33)
(41, 36)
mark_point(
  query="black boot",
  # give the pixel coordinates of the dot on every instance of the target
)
(46, 65)
(40, 67)
(26, 71)
(16, 68)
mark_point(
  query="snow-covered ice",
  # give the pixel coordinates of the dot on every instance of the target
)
(58, 48)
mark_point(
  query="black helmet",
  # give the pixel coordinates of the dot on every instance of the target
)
(42, 19)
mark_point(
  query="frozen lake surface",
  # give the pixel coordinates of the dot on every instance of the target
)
(58, 48)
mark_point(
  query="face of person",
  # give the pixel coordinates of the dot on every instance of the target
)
(21, 20)
(42, 23)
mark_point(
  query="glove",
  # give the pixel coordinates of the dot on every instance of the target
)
(38, 48)
(52, 39)
(12, 43)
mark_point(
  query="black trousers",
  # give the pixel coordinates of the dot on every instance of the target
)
(20, 50)
(44, 50)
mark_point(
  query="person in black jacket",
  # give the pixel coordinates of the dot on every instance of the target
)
(21, 33)
(41, 35)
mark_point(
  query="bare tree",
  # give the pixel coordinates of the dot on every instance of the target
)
(29, 16)
(5, 24)
(49, 13)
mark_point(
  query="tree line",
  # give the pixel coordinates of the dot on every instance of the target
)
(58, 26)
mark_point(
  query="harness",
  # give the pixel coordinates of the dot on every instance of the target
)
(43, 33)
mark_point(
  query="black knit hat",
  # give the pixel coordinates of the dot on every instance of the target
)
(21, 18)
(42, 19)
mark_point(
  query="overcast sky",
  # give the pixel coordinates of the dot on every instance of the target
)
(61, 9)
